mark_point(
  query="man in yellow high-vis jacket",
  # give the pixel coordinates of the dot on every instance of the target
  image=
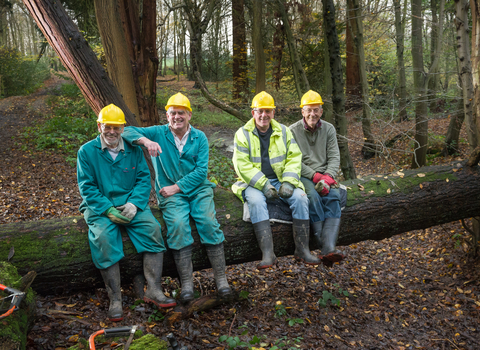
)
(268, 163)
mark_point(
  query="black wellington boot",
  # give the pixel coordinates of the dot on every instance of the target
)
(152, 269)
(111, 277)
(263, 231)
(329, 254)
(217, 260)
(317, 228)
(301, 235)
(183, 260)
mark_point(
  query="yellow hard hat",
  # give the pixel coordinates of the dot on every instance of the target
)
(263, 100)
(111, 114)
(178, 100)
(311, 98)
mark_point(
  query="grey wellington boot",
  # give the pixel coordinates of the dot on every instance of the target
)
(152, 269)
(183, 260)
(329, 254)
(301, 235)
(263, 231)
(111, 277)
(317, 228)
(217, 260)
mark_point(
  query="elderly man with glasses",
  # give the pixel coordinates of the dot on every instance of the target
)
(317, 140)
(114, 182)
(180, 158)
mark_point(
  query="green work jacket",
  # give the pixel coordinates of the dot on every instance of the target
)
(104, 182)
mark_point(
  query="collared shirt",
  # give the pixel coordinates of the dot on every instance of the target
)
(113, 152)
(317, 126)
(180, 143)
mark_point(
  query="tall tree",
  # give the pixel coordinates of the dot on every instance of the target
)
(352, 72)
(401, 90)
(433, 82)
(76, 56)
(239, 66)
(421, 79)
(257, 39)
(298, 72)
(338, 96)
(356, 27)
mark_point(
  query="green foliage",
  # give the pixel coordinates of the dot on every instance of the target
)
(71, 124)
(328, 296)
(294, 321)
(156, 316)
(244, 294)
(220, 168)
(234, 342)
(20, 75)
(280, 310)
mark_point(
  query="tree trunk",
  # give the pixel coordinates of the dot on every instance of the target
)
(327, 76)
(352, 71)
(402, 80)
(419, 77)
(59, 252)
(257, 39)
(116, 52)
(76, 56)
(338, 96)
(433, 82)
(369, 145)
(298, 71)
(463, 49)
(454, 127)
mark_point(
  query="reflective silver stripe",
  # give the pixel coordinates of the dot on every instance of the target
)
(294, 175)
(247, 136)
(256, 159)
(278, 159)
(255, 179)
(284, 134)
(292, 140)
(240, 184)
(241, 149)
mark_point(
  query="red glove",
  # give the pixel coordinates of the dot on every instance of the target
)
(330, 181)
(317, 177)
(322, 188)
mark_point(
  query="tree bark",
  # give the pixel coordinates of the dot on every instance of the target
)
(352, 71)
(239, 66)
(338, 96)
(433, 82)
(76, 56)
(257, 38)
(400, 38)
(59, 252)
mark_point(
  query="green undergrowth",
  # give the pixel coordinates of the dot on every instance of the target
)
(359, 190)
(71, 124)
(220, 168)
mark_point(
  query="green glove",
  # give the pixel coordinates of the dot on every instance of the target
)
(286, 190)
(269, 191)
(117, 217)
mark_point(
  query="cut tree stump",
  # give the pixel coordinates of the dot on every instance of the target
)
(378, 207)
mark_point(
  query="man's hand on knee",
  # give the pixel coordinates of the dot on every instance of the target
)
(286, 190)
(116, 216)
(269, 191)
(129, 210)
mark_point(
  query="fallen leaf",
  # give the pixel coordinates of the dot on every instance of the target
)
(421, 175)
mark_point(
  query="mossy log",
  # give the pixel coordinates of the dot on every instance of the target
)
(14, 327)
(378, 207)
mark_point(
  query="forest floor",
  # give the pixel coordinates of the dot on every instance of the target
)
(417, 290)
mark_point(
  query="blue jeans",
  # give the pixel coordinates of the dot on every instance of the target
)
(325, 207)
(257, 203)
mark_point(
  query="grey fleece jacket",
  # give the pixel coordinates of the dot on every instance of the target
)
(320, 151)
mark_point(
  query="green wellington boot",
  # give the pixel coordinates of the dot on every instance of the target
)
(263, 231)
(111, 277)
(217, 260)
(301, 235)
(183, 260)
(329, 253)
(152, 269)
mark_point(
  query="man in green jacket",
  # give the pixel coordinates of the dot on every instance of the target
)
(114, 182)
(317, 140)
(267, 161)
(180, 158)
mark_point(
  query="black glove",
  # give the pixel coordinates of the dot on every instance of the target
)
(269, 191)
(286, 190)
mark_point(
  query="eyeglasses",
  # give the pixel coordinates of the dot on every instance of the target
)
(111, 128)
(180, 113)
(314, 110)
(264, 111)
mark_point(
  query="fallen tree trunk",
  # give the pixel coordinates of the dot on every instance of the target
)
(378, 207)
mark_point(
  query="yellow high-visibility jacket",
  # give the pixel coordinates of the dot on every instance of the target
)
(284, 153)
